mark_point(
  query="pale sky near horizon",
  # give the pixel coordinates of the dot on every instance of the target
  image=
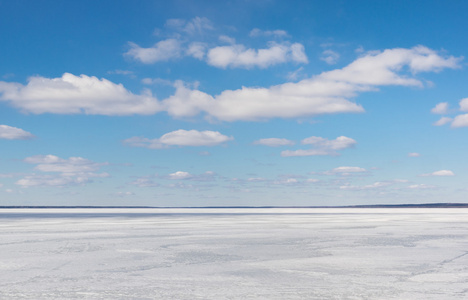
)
(227, 103)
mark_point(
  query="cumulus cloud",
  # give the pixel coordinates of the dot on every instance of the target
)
(414, 154)
(180, 137)
(442, 121)
(322, 146)
(348, 170)
(161, 51)
(326, 93)
(380, 68)
(238, 56)
(72, 171)
(180, 175)
(439, 173)
(441, 108)
(13, 133)
(330, 57)
(72, 94)
(274, 142)
(464, 104)
(460, 121)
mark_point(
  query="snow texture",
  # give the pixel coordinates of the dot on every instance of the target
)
(234, 253)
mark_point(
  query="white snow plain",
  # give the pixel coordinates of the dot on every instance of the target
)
(274, 253)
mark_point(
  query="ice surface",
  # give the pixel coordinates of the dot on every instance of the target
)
(234, 253)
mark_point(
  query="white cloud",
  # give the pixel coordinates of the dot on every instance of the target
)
(227, 39)
(72, 94)
(294, 75)
(72, 171)
(194, 138)
(180, 175)
(340, 143)
(238, 56)
(274, 142)
(460, 121)
(464, 104)
(160, 81)
(276, 33)
(441, 108)
(286, 181)
(52, 163)
(375, 185)
(380, 68)
(347, 170)
(414, 154)
(298, 53)
(442, 121)
(440, 173)
(180, 138)
(421, 186)
(330, 57)
(256, 179)
(196, 50)
(145, 182)
(325, 93)
(13, 133)
(322, 146)
(161, 51)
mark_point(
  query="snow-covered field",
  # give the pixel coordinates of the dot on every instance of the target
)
(349, 253)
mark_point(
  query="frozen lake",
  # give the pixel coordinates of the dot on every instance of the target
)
(349, 253)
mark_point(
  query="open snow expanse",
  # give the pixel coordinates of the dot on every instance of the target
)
(348, 253)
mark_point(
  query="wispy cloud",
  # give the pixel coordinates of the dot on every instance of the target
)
(322, 146)
(56, 171)
(330, 57)
(161, 51)
(268, 33)
(274, 142)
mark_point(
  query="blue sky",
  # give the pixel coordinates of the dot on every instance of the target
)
(225, 103)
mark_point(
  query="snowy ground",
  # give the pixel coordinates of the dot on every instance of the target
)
(234, 254)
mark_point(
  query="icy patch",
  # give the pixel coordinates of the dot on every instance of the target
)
(234, 254)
